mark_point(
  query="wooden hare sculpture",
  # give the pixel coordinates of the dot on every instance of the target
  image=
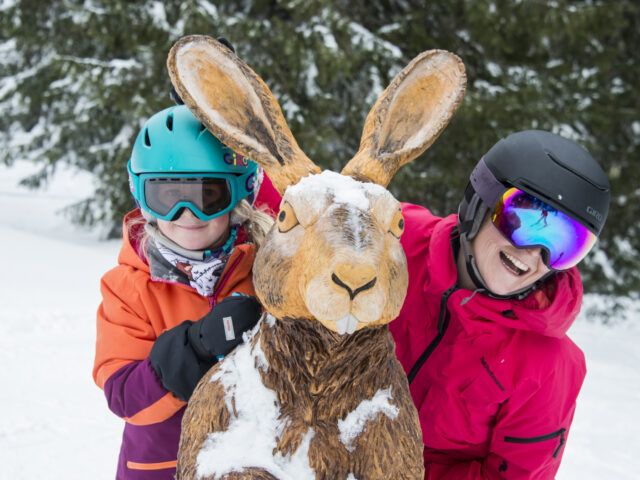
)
(315, 392)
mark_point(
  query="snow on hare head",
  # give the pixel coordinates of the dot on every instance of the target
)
(334, 252)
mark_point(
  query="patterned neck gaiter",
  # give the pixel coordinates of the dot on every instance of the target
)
(200, 274)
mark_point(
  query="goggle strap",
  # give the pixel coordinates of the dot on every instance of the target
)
(486, 185)
(474, 213)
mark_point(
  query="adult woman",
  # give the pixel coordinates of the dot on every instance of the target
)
(180, 295)
(492, 292)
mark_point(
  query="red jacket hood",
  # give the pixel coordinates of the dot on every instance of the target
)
(550, 310)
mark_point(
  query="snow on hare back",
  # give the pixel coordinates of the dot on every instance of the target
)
(316, 390)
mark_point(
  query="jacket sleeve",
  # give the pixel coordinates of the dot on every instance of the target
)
(124, 339)
(531, 428)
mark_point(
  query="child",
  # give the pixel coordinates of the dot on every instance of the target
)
(160, 326)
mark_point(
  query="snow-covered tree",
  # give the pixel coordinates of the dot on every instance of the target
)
(78, 78)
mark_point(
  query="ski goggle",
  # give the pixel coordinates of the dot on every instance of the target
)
(207, 195)
(529, 222)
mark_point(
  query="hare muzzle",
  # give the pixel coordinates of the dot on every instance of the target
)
(354, 278)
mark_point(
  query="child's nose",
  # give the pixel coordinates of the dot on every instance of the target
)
(184, 212)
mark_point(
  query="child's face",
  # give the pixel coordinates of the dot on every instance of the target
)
(503, 267)
(191, 233)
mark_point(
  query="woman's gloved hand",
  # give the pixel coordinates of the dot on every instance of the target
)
(182, 355)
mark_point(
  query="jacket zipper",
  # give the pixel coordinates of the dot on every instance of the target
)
(541, 438)
(443, 324)
(223, 280)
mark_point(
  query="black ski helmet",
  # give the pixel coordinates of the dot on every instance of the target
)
(550, 167)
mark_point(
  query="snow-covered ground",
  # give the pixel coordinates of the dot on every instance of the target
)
(55, 423)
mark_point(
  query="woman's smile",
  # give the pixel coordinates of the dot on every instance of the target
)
(513, 264)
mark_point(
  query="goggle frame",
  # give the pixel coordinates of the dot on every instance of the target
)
(566, 229)
(240, 187)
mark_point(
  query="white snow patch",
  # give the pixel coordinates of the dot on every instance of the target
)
(10, 83)
(567, 131)
(327, 36)
(290, 108)
(370, 40)
(311, 73)
(376, 88)
(159, 16)
(523, 74)
(345, 190)
(491, 89)
(623, 311)
(210, 9)
(617, 86)
(554, 62)
(600, 258)
(355, 422)
(251, 437)
(494, 69)
(41, 210)
(7, 4)
(589, 72)
(270, 319)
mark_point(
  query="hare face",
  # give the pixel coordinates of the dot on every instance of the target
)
(334, 255)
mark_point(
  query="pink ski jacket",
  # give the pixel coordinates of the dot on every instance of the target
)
(494, 381)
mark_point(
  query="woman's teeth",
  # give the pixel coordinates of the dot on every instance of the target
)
(513, 264)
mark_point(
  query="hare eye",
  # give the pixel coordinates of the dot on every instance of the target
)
(286, 218)
(397, 225)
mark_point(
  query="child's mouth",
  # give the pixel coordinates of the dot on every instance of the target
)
(190, 227)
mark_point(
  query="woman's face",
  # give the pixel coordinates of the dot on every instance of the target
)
(191, 233)
(505, 268)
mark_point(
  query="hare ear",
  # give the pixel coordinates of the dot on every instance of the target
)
(409, 116)
(233, 102)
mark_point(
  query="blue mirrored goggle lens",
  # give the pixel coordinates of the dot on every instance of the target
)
(528, 222)
(208, 195)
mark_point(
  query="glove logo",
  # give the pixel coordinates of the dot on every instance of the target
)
(228, 328)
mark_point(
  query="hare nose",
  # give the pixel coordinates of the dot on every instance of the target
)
(354, 278)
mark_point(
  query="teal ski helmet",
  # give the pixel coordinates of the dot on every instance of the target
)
(175, 149)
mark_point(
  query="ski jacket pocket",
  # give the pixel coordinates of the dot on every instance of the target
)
(541, 438)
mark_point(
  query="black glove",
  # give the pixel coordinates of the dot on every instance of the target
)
(182, 355)
(173, 95)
